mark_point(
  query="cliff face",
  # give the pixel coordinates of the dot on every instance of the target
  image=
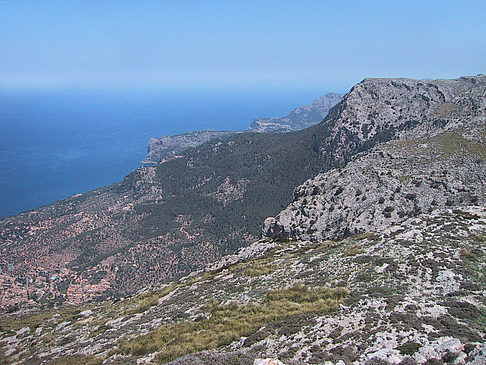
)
(438, 162)
(165, 147)
(162, 222)
(299, 118)
(393, 182)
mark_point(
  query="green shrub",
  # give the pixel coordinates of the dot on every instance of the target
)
(409, 348)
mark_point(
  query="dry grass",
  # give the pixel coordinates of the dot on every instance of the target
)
(366, 235)
(64, 314)
(260, 268)
(450, 144)
(468, 255)
(228, 323)
(353, 251)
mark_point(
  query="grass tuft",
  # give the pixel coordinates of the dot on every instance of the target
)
(468, 255)
(77, 360)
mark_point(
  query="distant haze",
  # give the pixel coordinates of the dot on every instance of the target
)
(182, 44)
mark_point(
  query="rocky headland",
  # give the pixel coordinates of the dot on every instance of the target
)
(160, 149)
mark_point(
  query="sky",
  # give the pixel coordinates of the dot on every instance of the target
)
(236, 44)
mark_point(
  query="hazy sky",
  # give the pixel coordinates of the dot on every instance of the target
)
(236, 43)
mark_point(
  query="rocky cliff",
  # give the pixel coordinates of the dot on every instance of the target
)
(393, 182)
(299, 118)
(162, 148)
(440, 162)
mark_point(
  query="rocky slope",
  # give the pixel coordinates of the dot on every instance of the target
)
(413, 293)
(163, 222)
(299, 118)
(162, 148)
(438, 163)
(394, 181)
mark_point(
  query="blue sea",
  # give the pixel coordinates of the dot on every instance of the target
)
(54, 144)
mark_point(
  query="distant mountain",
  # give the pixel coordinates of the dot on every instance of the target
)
(299, 118)
(164, 147)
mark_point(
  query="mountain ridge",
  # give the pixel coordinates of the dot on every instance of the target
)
(299, 118)
(162, 222)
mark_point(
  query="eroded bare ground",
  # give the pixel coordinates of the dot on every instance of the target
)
(417, 289)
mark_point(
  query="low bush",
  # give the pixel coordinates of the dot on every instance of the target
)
(409, 348)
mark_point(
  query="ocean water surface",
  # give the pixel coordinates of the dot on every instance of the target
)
(54, 144)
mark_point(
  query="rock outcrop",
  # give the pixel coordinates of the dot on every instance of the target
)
(299, 118)
(391, 183)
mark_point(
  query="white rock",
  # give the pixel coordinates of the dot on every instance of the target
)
(10, 351)
(61, 326)
(268, 362)
(114, 322)
(427, 352)
(453, 345)
(147, 359)
(389, 355)
(447, 281)
(21, 331)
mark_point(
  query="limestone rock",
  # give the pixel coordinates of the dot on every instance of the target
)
(437, 160)
(267, 362)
